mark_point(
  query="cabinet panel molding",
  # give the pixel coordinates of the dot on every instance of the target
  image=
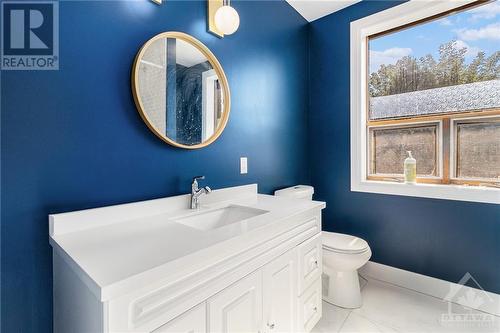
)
(192, 321)
(237, 308)
(310, 307)
(280, 293)
(310, 262)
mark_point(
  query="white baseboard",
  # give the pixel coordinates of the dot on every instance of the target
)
(433, 287)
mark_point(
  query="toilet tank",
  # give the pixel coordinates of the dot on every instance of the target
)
(299, 192)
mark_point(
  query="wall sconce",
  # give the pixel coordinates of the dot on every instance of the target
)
(158, 2)
(222, 18)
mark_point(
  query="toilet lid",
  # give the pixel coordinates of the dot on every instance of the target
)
(343, 243)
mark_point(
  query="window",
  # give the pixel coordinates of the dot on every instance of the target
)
(389, 146)
(425, 77)
(477, 150)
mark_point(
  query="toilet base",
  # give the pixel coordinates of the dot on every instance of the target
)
(342, 288)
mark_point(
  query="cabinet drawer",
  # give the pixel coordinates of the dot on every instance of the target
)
(310, 307)
(309, 262)
(191, 321)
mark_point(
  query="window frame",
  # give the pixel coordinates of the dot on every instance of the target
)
(400, 123)
(447, 187)
(484, 118)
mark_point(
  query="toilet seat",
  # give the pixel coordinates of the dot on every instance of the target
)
(341, 243)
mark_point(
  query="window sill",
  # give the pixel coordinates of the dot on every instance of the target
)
(435, 191)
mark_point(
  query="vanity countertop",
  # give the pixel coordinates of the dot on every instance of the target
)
(113, 248)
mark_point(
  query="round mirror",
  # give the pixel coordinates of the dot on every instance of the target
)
(180, 90)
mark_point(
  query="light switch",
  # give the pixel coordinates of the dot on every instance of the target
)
(243, 165)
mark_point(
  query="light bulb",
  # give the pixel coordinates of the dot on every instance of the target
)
(227, 20)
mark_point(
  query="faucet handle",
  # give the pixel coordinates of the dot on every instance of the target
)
(194, 184)
(198, 178)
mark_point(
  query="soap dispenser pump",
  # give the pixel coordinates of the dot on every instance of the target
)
(410, 169)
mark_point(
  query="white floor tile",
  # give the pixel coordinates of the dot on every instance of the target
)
(410, 311)
(388, 309)
(358, 324)
(332, 320)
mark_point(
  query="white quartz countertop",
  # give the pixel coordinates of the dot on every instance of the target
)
(133, 241)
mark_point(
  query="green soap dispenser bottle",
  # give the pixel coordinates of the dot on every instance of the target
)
(410, 168)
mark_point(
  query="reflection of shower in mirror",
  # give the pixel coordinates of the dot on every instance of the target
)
(180, 90)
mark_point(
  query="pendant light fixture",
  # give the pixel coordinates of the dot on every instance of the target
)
(222, 19)
(227, 19)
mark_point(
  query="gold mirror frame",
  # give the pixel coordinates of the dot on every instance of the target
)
(215, 64)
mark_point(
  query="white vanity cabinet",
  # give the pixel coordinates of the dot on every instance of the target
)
(264, 301)
(280, 293)
(192, 321)
(238, 308)
(152, 274)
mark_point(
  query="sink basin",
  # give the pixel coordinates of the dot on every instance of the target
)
(220, 217)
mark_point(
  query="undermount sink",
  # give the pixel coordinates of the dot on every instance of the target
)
(220, 217)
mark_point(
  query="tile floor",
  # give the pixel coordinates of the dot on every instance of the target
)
(388, 308)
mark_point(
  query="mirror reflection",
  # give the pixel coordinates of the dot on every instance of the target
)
(179, 91)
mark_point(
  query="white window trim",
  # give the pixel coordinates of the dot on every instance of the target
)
(394, 17)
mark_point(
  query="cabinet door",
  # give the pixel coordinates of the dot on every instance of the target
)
(237, 308)
(310, 307)
(310, 262)
(280, 294)
(191, 321)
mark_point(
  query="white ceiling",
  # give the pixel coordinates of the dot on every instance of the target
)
(187, 54)
(314, 9)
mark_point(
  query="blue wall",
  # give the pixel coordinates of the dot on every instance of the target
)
(72, 139)
(439, 238)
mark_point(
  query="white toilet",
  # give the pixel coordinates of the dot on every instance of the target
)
(342, 256)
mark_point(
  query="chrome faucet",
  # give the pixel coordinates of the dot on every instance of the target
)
(197, 192)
